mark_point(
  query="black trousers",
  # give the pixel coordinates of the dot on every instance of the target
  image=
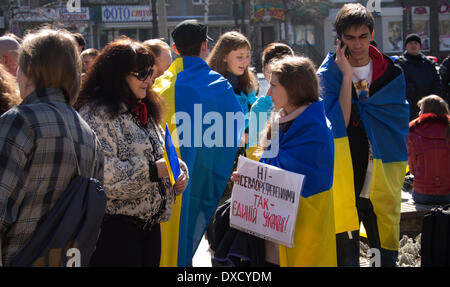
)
(348, 249)
(123, 243)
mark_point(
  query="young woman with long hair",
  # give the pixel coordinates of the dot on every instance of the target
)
(305, 145)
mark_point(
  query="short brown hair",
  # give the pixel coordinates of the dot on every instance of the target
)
(190, 51)
(89, 52)
(80, 39)
(49, 58)
(275, 51)
(156, 46)
(353, 15)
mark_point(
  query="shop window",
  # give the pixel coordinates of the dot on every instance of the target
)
(214, 33)
(444, 35)
(201, 2)
(395, 40)
(421, 27)
(107, 36)
(130, 33)
(145, 34)
(305, 34)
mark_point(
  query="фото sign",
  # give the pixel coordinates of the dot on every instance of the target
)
(121, 14)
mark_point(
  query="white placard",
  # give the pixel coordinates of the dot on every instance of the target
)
(265, 201)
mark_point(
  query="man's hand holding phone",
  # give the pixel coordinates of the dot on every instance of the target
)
(342, 58)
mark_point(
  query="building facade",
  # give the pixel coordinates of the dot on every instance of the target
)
(307, 26)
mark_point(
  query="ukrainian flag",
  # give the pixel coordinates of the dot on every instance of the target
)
(385, 116)
(307, 148)
(171, 158)
(346, 215)
(198, 102)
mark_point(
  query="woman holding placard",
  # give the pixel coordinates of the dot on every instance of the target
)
(306, 147)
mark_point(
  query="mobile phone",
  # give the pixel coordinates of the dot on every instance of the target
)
(343, 44)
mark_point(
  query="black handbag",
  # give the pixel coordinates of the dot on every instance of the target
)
(435, 241)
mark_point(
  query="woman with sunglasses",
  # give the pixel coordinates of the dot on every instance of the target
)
(126, 114)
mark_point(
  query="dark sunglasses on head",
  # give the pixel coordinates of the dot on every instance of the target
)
(142, 75)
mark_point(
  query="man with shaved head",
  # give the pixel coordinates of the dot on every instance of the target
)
(9, 49)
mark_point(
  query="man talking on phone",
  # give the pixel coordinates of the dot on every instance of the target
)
(364, 94)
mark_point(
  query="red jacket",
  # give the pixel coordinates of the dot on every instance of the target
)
(429, 154)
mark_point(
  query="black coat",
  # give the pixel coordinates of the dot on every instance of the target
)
(444, 71)
(422, 79)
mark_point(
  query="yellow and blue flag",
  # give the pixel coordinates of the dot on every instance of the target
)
(385, 116)
(307, 148)
(198, 102)
(171, 157)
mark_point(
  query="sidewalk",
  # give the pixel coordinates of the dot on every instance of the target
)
(202, 257)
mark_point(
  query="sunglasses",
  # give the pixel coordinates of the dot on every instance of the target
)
(143, 75)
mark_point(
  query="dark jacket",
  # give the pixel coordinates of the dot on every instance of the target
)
(444, 71)
(422, 79)
(429, 154)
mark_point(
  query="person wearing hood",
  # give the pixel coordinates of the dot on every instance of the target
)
(421, 76)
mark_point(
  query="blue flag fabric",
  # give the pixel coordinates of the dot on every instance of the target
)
(170, 155)
(385, 116)
(307, 148)
(198, 103)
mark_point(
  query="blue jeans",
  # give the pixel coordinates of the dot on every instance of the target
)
(430, 199)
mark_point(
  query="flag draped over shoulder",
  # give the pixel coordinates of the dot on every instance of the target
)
(198, 101)
(346, 215)
(385, 116)
(307, 148)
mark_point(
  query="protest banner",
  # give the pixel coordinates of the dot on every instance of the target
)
(265, 201)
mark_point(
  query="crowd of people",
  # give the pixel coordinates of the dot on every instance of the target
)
(351, 126)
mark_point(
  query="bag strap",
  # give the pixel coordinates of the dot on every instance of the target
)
(73, 143)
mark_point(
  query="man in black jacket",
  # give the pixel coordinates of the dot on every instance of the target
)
(422, 78)
(444, 71)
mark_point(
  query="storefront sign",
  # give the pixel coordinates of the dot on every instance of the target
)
(265, 201)
(82, 15)
(35, 14)
(126, 14)
(444, 8)
(421, 10)
(50, 15)
(268, 9)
